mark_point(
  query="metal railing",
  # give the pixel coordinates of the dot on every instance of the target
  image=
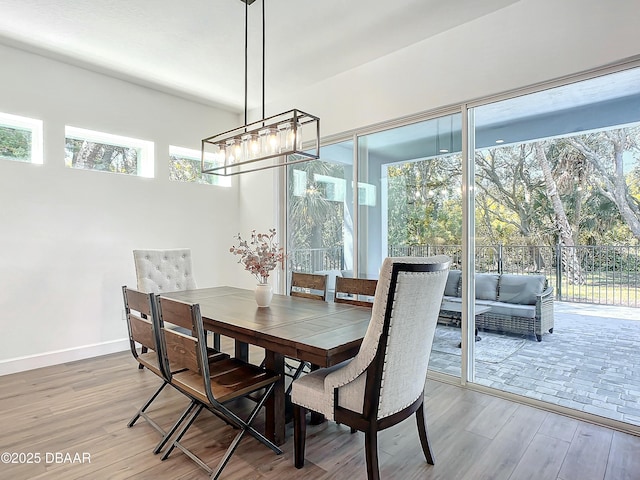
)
(316, 259)
(604, 274)
(608, 274)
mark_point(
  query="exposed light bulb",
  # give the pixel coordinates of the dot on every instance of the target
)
(273, 141)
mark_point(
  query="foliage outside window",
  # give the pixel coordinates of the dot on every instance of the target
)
(583, 186)
(20, 139)
(316, 215)
(595, 175)
(90, 150)
(424, 202)
(185, 166)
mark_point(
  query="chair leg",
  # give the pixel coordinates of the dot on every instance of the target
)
(299, 434)
(183, 430)
(146, 405)
(216, 341)
(175, 427)
(295, 376)
(371, 454)
(245, 425)
(422, 433)
(222, 411)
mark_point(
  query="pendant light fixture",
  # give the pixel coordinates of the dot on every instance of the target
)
(270, 142)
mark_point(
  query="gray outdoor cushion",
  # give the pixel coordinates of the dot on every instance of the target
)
(452, 299)
(485, 303)
(513, 310)
(451, 288)
(487, 286)
(520, 289)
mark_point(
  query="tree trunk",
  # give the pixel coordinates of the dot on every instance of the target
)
(569, 258)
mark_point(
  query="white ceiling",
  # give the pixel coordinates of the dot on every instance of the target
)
(195, 48)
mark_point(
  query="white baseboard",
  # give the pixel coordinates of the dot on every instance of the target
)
(21, 364)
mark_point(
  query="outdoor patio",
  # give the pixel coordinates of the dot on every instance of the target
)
(590, 363)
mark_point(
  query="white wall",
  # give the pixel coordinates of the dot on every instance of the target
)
(523, 44)
(67, 235)
(526, 43)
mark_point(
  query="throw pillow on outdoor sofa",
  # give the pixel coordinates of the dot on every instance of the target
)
(520, 289)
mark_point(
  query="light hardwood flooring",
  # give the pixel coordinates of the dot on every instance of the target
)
(83, 408)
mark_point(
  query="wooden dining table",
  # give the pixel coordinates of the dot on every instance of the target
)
(321, 333)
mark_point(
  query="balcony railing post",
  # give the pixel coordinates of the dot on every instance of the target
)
(559, 271)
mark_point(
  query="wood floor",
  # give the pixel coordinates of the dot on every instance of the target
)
(83, 407)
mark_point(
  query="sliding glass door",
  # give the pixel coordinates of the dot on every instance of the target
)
(557, 182)
(409, 192)
(540, 213)
(320, 213)
(409, 204)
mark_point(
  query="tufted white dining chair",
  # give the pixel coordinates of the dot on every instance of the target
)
(161, 271)
(384, 383)
(169, 270)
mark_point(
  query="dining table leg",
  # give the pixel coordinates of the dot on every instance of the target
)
(242, 350)
(275, 404)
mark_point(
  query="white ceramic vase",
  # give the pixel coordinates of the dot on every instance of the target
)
(263, 294)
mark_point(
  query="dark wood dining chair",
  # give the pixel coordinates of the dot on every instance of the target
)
(141, 316)
(305, 285)
(144, 327)
(308, 285)
(398, 341)
(355, 291)
(213, 386)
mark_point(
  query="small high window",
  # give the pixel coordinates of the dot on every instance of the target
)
(20, 139)
(90, 150)
(185, 166)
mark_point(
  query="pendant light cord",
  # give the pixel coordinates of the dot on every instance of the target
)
(246, 43)
(263, 42)
(246, 54)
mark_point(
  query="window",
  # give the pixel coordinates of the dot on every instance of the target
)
(320, 209)
(184, 166)
(20, 139)
(89, 150)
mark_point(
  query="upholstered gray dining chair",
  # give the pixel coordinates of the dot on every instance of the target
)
(384, 383)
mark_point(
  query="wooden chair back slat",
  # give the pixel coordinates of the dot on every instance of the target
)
(140, 310)
(355, 287)
(177, 313)
(181, 350)
(138, 302)
(308, 285)
(142, 331)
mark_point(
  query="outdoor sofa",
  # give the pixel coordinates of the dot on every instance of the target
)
(520, 304)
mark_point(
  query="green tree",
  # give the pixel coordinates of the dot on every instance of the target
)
(424, 204)
(315, 220)
(605, 151)
(100, 156)
(15, 144)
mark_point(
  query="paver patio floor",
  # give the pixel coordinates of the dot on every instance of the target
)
(590, 363)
